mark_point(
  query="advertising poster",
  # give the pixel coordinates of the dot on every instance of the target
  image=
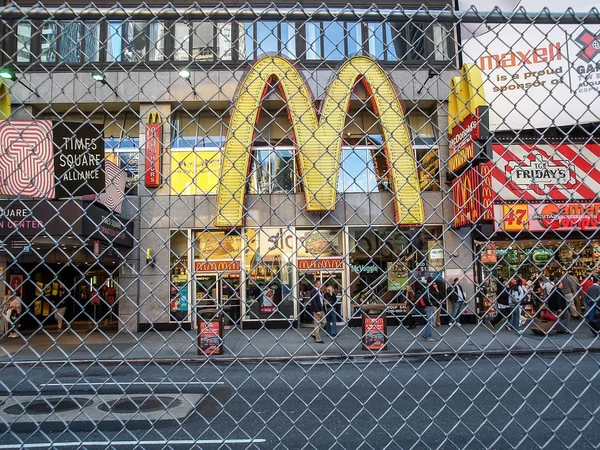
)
(536, 76)
(183, 298)
(374, 337)
(37, 308)
(182, 173)
(397, 274)
(210, 337)
(16, 282)
(267, 304)
(547, 216)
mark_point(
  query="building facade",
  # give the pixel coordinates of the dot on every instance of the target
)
(242, 191)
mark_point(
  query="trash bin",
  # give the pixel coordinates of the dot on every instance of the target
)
(210, 331)
(374, 327)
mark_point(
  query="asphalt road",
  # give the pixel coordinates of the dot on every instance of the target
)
(526, 402)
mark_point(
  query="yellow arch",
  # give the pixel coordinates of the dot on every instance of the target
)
(318, 142)
(5, 108)
(466, 94)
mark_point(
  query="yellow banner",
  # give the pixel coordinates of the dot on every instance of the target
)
(195, 173)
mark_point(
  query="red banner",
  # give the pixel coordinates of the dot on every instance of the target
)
(473, 196)
(320, 264)
(539, 217)
(153, 154)
(216, 266)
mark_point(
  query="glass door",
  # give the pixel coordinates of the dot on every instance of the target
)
(207, 291)
(230, 298)
(328, 279)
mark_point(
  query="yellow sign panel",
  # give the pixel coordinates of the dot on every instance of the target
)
(194, 173)
(318, 142)
(466, 95)
(5, 108)
(515, 217)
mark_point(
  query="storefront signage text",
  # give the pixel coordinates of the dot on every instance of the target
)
(544, 216)
(467, 119)
(78, 159)
(319, 140)
(153, 150)
(216, 266)
(365, 268)
(320, 264)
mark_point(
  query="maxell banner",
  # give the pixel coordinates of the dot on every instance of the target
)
(536, 76)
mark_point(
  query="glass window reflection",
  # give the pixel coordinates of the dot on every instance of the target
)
(70, 42)
(358, 171)
(24, 31)
(114, 41)
(49, 38)
(273, 172)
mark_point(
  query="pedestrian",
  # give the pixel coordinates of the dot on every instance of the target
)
(332, 311)
(439, 296)
(60, 302)
(516, 295)
(12, 309)
(548, 286)
(409, 319)
(558, 304)
(502, 303)
(431, 298)
(592, 298)
(457, 298)
(571, 290)
(317, 308)
(537, 294)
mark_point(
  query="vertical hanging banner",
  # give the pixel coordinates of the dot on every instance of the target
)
(153, 150)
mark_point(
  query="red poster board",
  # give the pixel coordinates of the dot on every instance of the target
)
(210, 337)
(374, 332)
(153, 153)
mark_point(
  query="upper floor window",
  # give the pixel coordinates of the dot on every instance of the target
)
(131, 41)
(333, 41)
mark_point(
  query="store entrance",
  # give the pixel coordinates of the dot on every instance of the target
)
(220, 291)
(306, 281)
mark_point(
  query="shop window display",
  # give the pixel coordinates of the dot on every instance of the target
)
(179, 277)
(269, 271)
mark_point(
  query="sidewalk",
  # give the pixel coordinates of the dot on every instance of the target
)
(275, 345)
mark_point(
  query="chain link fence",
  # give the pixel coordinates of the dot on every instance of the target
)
(304, 228)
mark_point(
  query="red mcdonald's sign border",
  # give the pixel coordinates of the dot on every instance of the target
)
(153, 150)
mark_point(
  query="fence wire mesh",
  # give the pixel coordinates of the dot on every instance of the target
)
(299, 228)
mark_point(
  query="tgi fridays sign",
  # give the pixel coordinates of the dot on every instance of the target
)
(467, 120)
(559, 172)
(539, 217)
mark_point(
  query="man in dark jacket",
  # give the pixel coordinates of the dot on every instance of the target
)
(504, 308)
(317, 310)
(558, 304)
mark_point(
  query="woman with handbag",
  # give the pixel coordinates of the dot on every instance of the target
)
(11, 310)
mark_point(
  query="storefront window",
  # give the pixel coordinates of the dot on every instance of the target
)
(218, 246)
(179, 277)
(384, 260)
(270, 274)
(24, 31)
(272, 172)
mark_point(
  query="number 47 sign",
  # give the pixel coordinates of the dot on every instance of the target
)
(514, 217)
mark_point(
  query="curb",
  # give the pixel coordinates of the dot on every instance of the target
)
(226, 360)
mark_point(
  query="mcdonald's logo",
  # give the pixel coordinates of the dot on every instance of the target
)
(153, 150)
(467, 117)
(318, 141)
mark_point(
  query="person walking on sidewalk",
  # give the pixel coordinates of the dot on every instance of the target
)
(11, 311)
(457, 298)
(431, 296)
(558, 304)
(61, 302)
(502, 302)
(317, 309)
(516, 295)
(592, 298)
(332, 313)
(571, 291)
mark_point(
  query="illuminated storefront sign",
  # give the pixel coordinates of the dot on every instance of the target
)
(547, 216)
(318, 141)
(216, 266)
(320, 264)
(153, 150)
(467, 119)
(472, 196)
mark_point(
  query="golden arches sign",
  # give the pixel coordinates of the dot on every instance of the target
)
(466, 95)
(318, 142)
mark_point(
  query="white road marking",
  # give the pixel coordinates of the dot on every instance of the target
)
(129, 443)
(135, 383)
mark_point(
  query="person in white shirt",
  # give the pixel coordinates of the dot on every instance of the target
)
(548, 286)
(457, 298)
